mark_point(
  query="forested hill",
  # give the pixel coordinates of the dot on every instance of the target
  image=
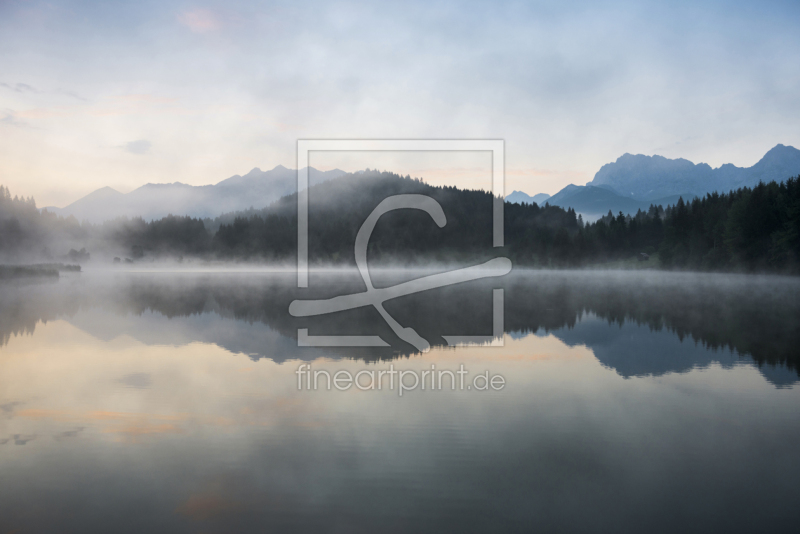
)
(745, 230)
(338, 208)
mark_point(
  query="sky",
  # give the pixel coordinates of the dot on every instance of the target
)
(120, 94)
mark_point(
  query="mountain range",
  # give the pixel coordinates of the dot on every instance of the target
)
(635, 182)
(654, 177)
(257, 189)
(630, 183)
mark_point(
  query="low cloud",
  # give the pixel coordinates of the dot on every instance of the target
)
(141, 146)
(199, 20)
(136, 380)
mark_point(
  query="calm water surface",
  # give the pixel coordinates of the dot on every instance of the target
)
(168, 402)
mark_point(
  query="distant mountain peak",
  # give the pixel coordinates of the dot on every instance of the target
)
(520, 197)
(650, 177)
(634, 181)
(152, 201)
(780, 151)
(106, 191)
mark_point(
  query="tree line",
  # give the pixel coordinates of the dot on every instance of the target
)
(750, 229)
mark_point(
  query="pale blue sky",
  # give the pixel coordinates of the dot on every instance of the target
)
(120, 94)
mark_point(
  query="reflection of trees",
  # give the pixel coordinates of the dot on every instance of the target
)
(24, 304)
(753, 315)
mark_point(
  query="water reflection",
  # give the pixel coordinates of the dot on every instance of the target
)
(168, 403)
(662, 323)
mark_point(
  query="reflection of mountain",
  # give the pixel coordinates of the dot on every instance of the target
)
(635, 323)
(636, 350)
(242, 337)
(654, 352)
(153, 201)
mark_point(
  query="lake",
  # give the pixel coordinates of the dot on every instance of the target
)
(630, 402)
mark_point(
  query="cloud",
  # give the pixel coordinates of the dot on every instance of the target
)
(137, 380)
(72, 94)
(199, 20)
(10, 119)
(20, 87)
(141, 146)
(25, 88)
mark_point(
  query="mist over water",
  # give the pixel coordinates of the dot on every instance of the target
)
(169, 400)
(723, 317)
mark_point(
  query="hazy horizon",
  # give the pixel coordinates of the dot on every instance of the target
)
(474, 166)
